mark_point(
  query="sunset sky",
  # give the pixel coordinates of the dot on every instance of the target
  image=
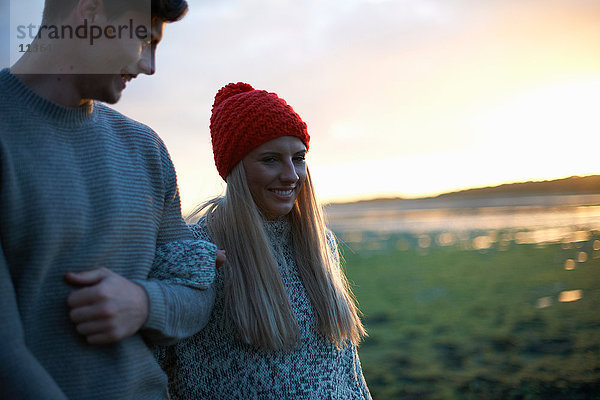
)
(401, 97)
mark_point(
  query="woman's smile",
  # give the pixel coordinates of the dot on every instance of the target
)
(283, 193)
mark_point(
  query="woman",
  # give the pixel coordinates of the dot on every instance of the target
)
(284, 323)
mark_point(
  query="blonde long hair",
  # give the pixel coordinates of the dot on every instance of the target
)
(254, 294)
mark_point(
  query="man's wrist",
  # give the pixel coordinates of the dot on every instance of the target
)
(156, 305)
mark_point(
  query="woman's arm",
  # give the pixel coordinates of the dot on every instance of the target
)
(182, 270)
(358, 375)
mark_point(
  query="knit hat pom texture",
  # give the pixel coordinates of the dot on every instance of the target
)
(231, 90)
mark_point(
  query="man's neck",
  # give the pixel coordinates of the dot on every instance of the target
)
(59, 89)
(47, 74)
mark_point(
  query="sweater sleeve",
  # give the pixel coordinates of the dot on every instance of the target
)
(358, 376)
(172, 226)
(21, 375)
(354, 372)
(182, 270)
(178, 288)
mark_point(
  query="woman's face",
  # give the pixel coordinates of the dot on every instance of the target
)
(275, 172)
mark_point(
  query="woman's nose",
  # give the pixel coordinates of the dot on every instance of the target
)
(288, 173)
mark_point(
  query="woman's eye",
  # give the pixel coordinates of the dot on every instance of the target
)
(269, 160)
(299, 159)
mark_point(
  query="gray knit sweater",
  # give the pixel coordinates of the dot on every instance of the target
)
(214, 365)
(82, 188)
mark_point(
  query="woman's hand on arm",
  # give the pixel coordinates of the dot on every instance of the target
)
(221, 258)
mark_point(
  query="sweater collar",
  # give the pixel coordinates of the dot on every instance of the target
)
(69, 116)
(278, 230)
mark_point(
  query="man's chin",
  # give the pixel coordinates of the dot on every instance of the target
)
(113, 101)
(111, 98)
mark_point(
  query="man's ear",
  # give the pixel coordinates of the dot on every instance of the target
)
(89, 9)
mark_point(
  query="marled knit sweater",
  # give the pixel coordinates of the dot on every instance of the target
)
(214, 364)
(83, 188)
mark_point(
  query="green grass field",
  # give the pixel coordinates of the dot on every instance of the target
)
(454, 323)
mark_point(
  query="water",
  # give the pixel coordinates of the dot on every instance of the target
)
(530, 219)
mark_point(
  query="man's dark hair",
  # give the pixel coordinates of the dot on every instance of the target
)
(167, 10)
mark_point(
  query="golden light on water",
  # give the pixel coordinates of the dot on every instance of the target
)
(446, 239)
(582, 257)
(569, 264)
(355, 236)
(570, 295)
(544, 302)
(482, 242)
(579, 236)
(565, 296)
(424, 241)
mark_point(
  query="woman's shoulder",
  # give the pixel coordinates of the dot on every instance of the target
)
(200, 230)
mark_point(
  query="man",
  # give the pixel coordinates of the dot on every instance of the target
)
(88, 197)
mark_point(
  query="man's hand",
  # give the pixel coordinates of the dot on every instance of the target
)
(221, 257)
(109, 308)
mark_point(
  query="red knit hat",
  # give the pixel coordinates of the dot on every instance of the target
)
(244, 118)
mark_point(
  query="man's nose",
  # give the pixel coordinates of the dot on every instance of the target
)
(147, 62)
